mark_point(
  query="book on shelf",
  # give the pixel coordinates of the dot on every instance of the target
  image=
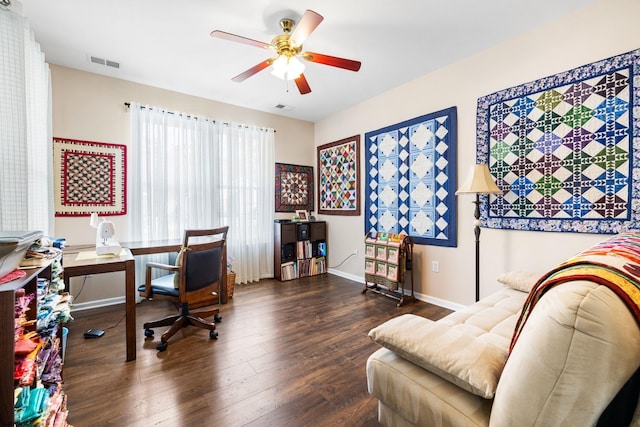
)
(322, 249)
(289, 270)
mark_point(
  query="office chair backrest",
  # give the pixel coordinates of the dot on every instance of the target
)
(205, 259)
(203, 267)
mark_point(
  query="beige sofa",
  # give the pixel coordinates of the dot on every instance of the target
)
(576, 349)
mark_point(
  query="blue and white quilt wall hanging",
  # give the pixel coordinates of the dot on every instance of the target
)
(565, 150)
(411, 179)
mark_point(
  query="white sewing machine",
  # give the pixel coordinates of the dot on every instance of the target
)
(106, 243)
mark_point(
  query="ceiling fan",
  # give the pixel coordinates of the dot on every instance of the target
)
(288, 46)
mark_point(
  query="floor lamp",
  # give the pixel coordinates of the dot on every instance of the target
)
(479, 181)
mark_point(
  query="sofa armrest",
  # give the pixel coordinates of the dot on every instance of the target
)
(472, 364)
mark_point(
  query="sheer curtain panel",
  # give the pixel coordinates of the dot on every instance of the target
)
(26, 193)
(194, 172)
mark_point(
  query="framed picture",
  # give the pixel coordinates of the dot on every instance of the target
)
(89, 177)
(410, 170)
(294, 188)
(302, 215)
(564, 150)
(339, 177)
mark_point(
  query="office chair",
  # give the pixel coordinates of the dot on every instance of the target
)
(196, 281)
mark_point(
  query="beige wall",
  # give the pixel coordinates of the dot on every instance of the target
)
(607, 28)
(91, 107)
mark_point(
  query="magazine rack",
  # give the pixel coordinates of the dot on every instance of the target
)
(387, 263)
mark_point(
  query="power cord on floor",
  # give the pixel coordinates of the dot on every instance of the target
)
(84, 282)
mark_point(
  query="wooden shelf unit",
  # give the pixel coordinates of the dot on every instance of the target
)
(7, 331)
(300, 249)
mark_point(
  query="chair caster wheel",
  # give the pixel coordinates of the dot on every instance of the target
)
(148, 332)
(217, 318)
(162, 346)
(213, 335)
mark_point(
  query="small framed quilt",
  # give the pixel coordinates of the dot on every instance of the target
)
(89, 177)
(339, 177)
(294, 188)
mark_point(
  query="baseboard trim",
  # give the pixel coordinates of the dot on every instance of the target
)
(97, 303)
(425, 298)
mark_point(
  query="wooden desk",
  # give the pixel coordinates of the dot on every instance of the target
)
(125, 262)
(147, 247)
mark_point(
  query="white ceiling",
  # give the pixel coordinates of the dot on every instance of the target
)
(167, 43)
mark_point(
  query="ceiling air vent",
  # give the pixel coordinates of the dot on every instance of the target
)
(284, 107)
(105, 62)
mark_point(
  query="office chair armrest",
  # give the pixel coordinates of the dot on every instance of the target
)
(151, 265)
(167, 267)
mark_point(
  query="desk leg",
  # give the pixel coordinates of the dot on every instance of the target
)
(130, 309)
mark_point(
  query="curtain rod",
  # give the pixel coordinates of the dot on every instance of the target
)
(128, 104)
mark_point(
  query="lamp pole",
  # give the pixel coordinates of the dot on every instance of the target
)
(476, 231)
(479, 181)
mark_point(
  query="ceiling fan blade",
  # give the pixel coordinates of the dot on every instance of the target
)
(253, 70)
(334, 61)
(309, 21)
(235, 38)
(302, 84)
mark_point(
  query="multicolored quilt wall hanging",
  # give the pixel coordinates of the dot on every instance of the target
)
(339, 177)
(564, 149)
(294, 188)
(411, 179)
(89, 177)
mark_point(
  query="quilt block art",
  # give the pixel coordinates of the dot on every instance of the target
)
(564, 150)
(89, 177)
(339, 177)
(294, 188)
(411, 179)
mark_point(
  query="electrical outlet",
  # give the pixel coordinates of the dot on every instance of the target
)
(355, 252)
(435, 266)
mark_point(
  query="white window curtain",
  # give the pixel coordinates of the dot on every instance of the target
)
(26, 193)
(193, 172)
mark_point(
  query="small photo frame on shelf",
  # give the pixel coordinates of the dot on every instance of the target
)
(302, 215)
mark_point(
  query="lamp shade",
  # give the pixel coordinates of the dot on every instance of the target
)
(479, 181)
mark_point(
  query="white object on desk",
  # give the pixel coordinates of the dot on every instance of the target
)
(106, 243)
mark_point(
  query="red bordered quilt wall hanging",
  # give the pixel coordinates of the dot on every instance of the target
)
(89, 177)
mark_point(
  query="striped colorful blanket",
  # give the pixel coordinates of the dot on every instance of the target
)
(614, 263)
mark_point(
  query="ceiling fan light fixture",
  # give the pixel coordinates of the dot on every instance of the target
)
(287, 67)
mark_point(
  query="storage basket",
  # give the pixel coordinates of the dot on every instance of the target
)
(231, 283)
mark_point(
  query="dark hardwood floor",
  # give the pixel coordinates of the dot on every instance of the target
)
(288, 354)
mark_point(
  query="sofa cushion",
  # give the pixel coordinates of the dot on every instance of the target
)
(466, 361)
(519, 280)
(467, 347)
